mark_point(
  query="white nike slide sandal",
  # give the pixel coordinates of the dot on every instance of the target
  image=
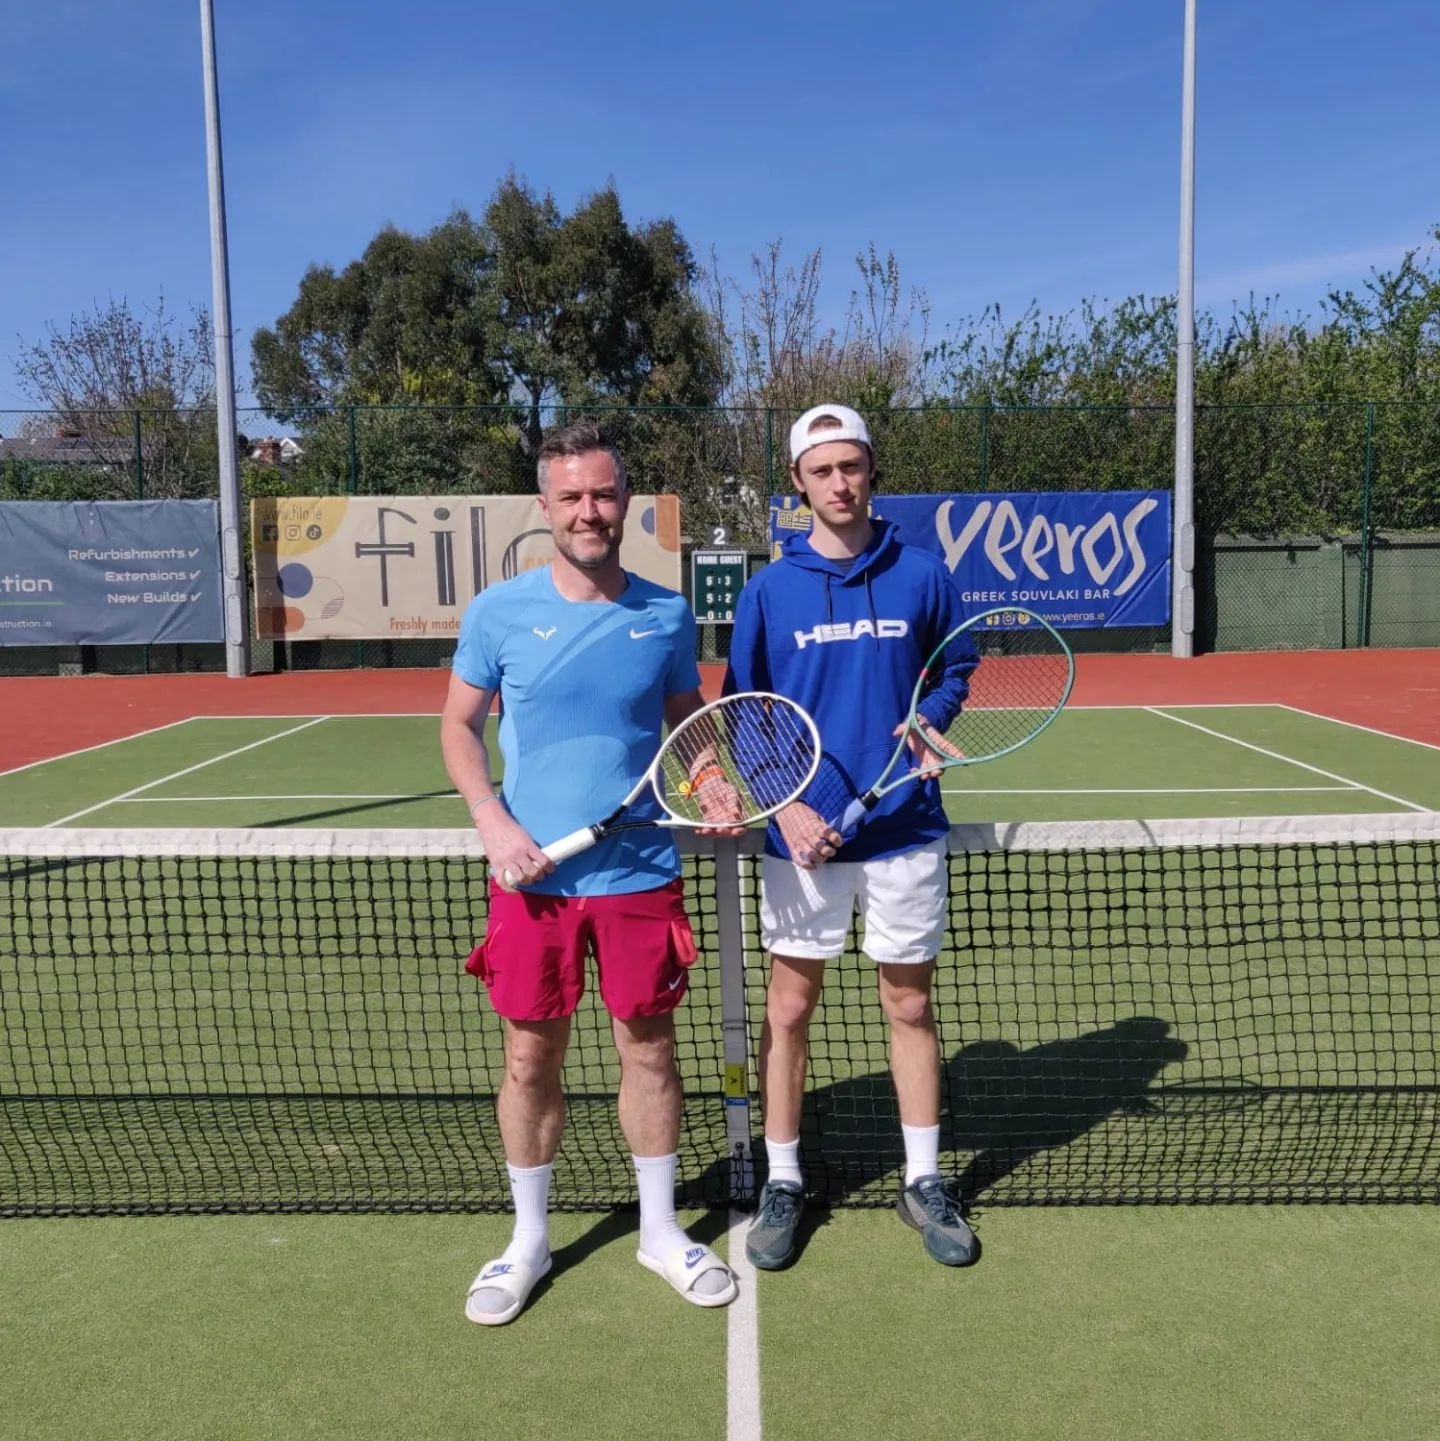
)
(513, 1279)
(683, 1268)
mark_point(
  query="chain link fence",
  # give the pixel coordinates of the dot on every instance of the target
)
(1319, 525)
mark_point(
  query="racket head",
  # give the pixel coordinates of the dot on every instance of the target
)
(1021, 679)
(763, 745)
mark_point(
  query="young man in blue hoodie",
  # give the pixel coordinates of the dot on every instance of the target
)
(843, 623)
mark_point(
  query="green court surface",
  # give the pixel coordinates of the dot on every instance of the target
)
(385, 771)
(1214, 1324)
(1079, 1324)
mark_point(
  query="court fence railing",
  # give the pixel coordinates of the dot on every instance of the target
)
(1319, 523)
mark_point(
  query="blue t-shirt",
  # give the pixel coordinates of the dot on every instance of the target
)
(582, 696)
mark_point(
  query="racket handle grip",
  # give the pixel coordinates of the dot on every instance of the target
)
(571, 845)
(561, 850)
(854, 814)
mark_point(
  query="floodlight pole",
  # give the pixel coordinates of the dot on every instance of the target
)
(232, 561)
(1182, 560)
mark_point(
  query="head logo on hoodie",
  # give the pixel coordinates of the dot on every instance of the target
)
(852, 630)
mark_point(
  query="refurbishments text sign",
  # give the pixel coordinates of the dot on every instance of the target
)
(1079, 559)
(370, 567)
(109, 572)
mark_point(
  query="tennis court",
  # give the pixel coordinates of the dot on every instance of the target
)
(1134, 1025)
(1095, 763)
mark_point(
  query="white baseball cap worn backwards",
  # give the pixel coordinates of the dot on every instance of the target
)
(850, 427)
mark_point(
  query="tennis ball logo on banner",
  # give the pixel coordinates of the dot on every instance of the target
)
(369, 567)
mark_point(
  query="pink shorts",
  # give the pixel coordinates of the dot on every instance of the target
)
(532, 959)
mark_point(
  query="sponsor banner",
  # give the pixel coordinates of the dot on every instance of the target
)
(371, 567)
(1079, 559)
(110, 572)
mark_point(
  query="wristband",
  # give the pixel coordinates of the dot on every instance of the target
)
(482, 801)
(711, 772)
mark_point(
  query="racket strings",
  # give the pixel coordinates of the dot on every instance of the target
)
(1021, 679)
(738, 760)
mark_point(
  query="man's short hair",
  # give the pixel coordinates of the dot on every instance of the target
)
(582, 438)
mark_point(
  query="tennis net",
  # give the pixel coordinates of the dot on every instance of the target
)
(1130, 1012)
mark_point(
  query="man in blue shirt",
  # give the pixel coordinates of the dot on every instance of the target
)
(589, 662)
(843, 623)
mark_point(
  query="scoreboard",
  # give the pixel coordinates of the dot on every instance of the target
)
(716, 579)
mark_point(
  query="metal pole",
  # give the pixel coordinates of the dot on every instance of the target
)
(237, 634)
(1182, 565)
(1367, 534)
(139, 464)
(734, 1021)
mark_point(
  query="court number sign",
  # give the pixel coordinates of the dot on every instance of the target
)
(716, 579)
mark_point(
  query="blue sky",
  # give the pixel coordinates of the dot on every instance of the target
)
(1003, 152)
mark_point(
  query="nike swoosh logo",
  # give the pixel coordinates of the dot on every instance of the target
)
(639, 634)
(671, 985)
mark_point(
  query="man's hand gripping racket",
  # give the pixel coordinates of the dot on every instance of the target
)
(737, 760)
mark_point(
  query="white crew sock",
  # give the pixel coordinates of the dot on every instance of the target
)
(784, 1160)
(922, 1151)
(660, 1233)
(530, 1190)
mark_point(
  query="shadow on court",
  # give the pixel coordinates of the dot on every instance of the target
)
(1002, 1105)
(331, 813)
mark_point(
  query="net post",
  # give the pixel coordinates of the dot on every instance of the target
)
(735, 1038)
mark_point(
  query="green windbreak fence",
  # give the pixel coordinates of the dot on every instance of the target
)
(1319, 525)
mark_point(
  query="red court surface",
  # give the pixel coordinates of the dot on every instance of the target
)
(1395, 691)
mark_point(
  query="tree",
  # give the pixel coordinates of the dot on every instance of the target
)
(137, 390)
(404, 324)
(781, 353)
(587, 309)
(527, 305)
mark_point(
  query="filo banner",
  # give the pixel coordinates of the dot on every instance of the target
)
(395, 567)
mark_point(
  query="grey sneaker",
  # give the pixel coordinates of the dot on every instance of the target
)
(770, 1242)
(933, 1207)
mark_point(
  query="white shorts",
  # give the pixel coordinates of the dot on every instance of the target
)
(903, 900)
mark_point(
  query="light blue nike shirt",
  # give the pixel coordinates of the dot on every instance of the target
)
(582, 695)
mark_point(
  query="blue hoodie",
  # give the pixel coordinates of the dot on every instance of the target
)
(848, 640)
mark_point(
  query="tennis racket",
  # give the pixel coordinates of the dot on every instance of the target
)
(736, 760)
(1020, 676)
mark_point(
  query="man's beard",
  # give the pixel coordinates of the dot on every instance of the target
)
(595, 560)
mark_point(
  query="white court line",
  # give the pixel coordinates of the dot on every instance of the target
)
(1287, 760)
(1356, 726)
(180, 800)
(344, 715)
(742, 1341)
(1183, 705)
(214, 760)
(1149, 791)
(85, 750)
